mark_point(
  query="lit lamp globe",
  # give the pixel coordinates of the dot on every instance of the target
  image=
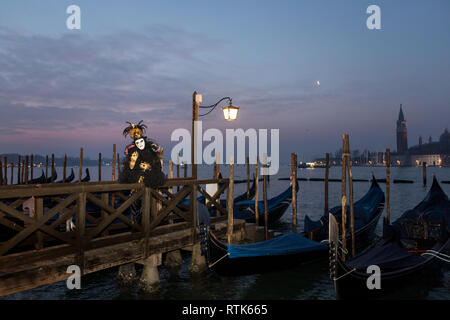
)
(230, 112)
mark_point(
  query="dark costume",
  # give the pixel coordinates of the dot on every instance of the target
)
(142, 164)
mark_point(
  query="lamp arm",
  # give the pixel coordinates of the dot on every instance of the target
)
(212, 107)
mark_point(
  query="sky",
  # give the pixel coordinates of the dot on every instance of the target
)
(63, 89)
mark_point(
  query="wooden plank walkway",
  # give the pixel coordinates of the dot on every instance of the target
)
(38, 245)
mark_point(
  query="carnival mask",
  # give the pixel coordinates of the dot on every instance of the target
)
(140, 143)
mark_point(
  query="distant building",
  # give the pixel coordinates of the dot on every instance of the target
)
(433, 153)
(402, 133)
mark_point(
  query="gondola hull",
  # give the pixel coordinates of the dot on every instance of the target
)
(352, 284)
(409, 252)
(220, 262)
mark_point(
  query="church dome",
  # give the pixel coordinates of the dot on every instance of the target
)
(445, 137)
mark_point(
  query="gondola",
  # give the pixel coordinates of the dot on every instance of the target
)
(410, 249)
(277, 206)
(367, 213)
(279, 253)
(87, 178)
(39, 180)
(52, 178)
(68, 179)
(290, 249)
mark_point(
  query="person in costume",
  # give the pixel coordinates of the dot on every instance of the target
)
(142, 163)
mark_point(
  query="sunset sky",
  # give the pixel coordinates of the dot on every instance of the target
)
(64, 89)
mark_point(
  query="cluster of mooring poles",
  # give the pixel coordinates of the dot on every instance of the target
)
(347, 171)
(25, 169)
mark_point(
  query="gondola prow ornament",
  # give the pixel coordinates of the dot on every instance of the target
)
(142, 162)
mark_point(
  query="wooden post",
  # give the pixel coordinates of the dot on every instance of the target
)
(80, 171)
(114, 163)
(216, 176)
(5, 175)
(1, 172)
(350, 191)
(64, 168)
(344, 197)
(327, 172)
(80, 228)
(23, 171)
(19, 161)
(27, 162)
(53, 167)
(12, 173)
(230, 201)
(100, 166)
(257, 192)
(46, 167)
(118, 166)
(266, 218)
(247, 160)
(170, 173)
(146, 207)
(104, 213)
(31, 167)
(294, 191)
(178, 170)
(388, 185)
(424, 173)
(39, 212)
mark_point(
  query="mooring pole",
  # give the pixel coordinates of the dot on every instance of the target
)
(80, 172)
(230, 201)
(23, 171)
(118, 166)
(12, 172)
(247, 161)
(344, 196)
(27, 161)
(178, 169)
(31, 167)
(266, 218)
(327, 172)
(388, 185)
(257, 192)
(1, 172)
(350, 191)
(424, 173)
(114, 163)
(170, 174)
(294, 191)
(6, 170)
(64, 168)
(53, 167)
(46, 167)
(18, 169)
(100, 166)
(216, 176)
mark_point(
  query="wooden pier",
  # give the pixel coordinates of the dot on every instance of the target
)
(38, 245)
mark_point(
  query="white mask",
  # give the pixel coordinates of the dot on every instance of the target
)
(140, 143)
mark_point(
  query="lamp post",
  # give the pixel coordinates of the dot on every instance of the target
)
(230, 113)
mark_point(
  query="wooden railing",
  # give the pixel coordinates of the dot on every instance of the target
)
(76, 217)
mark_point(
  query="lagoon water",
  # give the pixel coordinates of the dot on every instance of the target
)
(304, 282)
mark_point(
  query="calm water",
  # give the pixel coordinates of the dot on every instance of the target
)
(305, 282)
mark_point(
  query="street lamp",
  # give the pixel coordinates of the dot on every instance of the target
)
(230, 113)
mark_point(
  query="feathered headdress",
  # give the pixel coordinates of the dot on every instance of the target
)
(135, 130)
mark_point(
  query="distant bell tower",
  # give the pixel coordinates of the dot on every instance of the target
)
(402, 134)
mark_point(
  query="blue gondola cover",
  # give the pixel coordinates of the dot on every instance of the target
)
(290, 243)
